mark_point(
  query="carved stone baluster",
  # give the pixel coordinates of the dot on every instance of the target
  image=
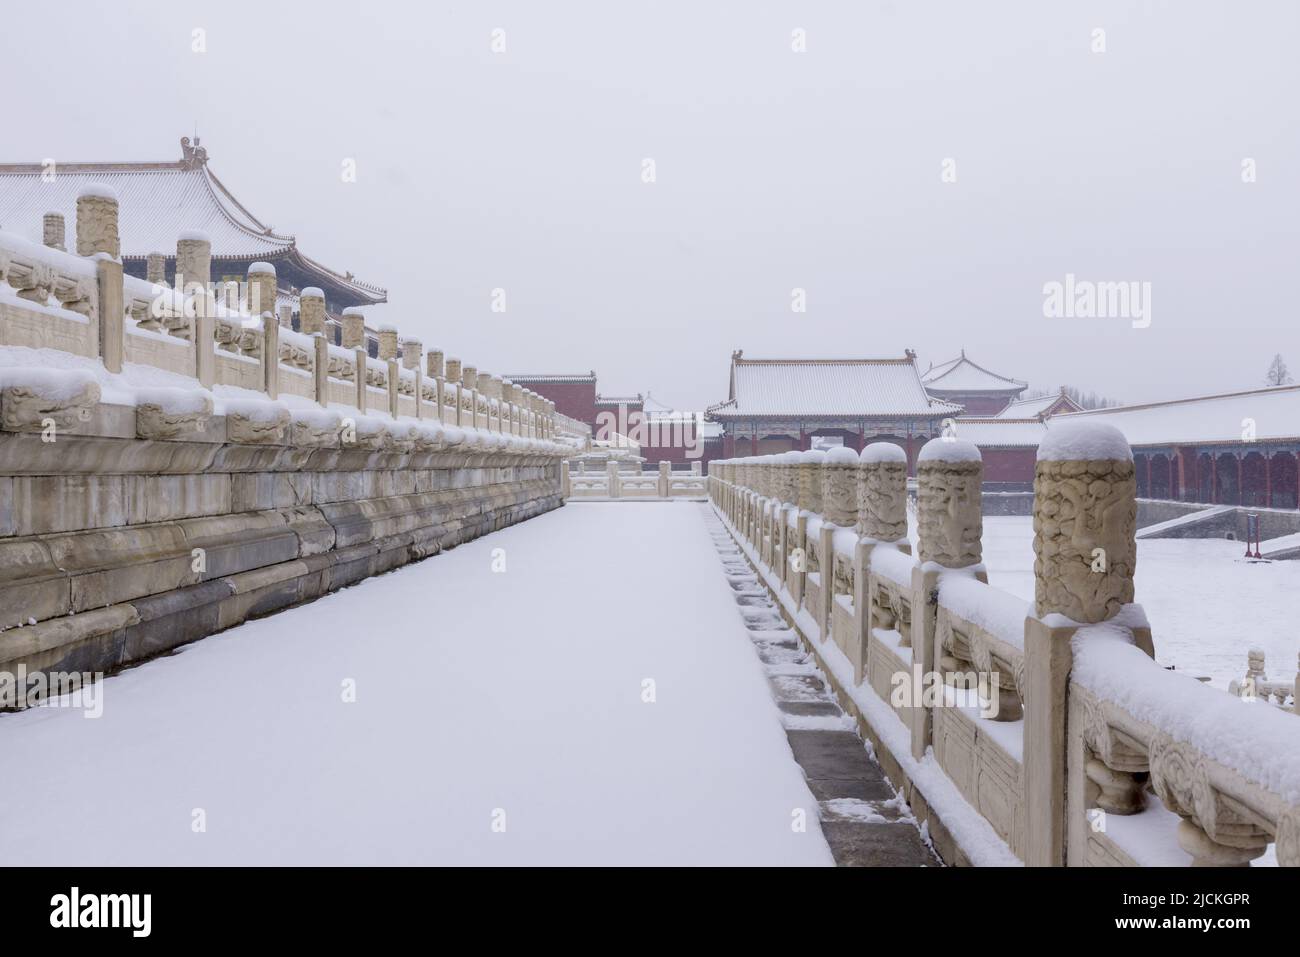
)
(1211, 831)
(882, 494)
(1085, 517)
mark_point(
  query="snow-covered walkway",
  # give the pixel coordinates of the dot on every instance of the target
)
(498, 718)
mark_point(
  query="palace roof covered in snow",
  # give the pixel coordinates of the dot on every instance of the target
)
(1040, 406)
(1234, 417)
(160, 201)
(999, 433)
(961, 375)
(828, 388)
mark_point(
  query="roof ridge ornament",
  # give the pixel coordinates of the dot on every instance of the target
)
(193, 157)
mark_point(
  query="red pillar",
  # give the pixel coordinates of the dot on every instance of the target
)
(1214, 480)
(728, 445)
(1173, 493)
(1148, 476)
(1241, 488)
(910, 459)
(1268, 481)
(804, 443)
(862, 437)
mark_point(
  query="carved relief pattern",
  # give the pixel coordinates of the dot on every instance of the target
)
(810, 487)
(882, 501)
(840, 495)
(1085, 515)
(949, 517)
(97, 226)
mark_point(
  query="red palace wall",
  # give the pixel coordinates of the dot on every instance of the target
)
(677, 454)
(574, 399)
(1009, 465)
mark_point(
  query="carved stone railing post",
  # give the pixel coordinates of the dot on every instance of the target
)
(882, 494)
(665, 479)
(882, 522)
(320, 368)
(387, 343)
(311, 311)
(810, 480)
(54, 231)
(194, 279)
(354, 329)
(412, 349)
(270, 356)
(612, 479)
(362, 361)
(97, 231)
(468, 400)
(97, 235)
(483, 386)
(156, 269)
(261, 290)
(435, 370)
(949, 527)
(840, 487)
(1085, 517)
(453, 377)
(393, 379)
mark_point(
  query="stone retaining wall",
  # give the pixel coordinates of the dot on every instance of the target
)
(114, 549)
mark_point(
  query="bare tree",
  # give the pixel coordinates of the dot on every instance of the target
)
(1277, 372)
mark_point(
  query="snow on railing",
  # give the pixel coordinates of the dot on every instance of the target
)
(1048, 719)
(226, 339)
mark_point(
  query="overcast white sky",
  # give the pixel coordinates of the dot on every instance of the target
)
(775, 170)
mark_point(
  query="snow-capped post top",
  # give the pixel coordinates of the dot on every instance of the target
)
(950, 522)
(261, 289)
(882, 492)
(311, 310)
(97, 221)
(195, 236)
(842, 455)
(1084, 442)
(387, 342)
(354, 329)
(412, 349)
(1085, 520)
(945, 448)
(883, 452)
(97, 191)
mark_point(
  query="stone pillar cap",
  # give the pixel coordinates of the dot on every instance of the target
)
(1084, 442)
(949, 449)
(97, 191)
(883, 452)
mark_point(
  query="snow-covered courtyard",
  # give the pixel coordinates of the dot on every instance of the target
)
(577, 689)
(1207, 605)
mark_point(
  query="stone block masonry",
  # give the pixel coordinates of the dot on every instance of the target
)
(117, 548)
